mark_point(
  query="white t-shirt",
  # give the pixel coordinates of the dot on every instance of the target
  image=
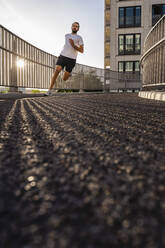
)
(68, 50)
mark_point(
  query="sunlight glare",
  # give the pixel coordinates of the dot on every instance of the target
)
(20, 63)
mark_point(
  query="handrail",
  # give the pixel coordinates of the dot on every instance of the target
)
(153, 60)
(153, 28)
(152, 48)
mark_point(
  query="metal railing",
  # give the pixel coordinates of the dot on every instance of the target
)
(23, 65)
(118, 81)
(37, 68)
(153, 60)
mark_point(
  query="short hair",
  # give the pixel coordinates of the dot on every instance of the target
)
(76, 23)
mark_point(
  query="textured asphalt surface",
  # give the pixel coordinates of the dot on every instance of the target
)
(83, 170)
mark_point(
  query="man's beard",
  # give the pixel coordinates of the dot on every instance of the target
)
(74, 31)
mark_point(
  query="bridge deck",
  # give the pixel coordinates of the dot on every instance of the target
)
(82, 171)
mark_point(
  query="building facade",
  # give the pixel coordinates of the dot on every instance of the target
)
(127, 23)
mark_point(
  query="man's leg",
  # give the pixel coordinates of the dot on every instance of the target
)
(70, 64)
(55, 75)
(66, 75)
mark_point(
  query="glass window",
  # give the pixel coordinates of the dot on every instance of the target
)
(107, 48)
(121, 17)
(129, 17)
(129, 66)
(107, 33)
(107, 62)
(137, 67)
(137, 43)
(121, 44)
(129, 44)
(121, 66)
(157, 12)
(138, 16)
(157, 9)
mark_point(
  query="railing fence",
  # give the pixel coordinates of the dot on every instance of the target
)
(153, 60)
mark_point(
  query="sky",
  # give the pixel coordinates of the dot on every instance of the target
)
(44, 23)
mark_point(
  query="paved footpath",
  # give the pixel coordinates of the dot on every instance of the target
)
(83, 170)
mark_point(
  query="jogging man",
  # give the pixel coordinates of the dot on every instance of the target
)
(67, 59)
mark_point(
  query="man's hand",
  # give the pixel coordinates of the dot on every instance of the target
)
(79, 49)
(71, 42)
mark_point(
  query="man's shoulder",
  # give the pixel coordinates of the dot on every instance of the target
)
(79, 36)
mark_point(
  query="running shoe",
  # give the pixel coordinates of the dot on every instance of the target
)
(48, 93)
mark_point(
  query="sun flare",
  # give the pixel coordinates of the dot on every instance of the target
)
(20, 63)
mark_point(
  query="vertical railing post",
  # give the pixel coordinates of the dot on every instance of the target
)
(105, 77)
(13, 85)
(82, 78)
(125, 79)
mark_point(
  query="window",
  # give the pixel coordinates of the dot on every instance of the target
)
(121, 67)
(121, 17)
(129, 17)
(138, 16)
(137, 43)
(107, 62)
(158, 10)
(163, 9)
(136, 66)
(121, 44)
(129, 44)
(107, 17)
(107, 48)
(128, 66)
(107, 33)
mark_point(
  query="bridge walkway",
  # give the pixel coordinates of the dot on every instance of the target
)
(82, 170)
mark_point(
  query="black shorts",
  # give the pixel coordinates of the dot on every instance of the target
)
(66, 62)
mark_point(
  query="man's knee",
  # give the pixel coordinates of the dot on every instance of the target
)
(58, 68)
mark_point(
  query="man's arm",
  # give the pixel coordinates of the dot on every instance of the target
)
(79, 49)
